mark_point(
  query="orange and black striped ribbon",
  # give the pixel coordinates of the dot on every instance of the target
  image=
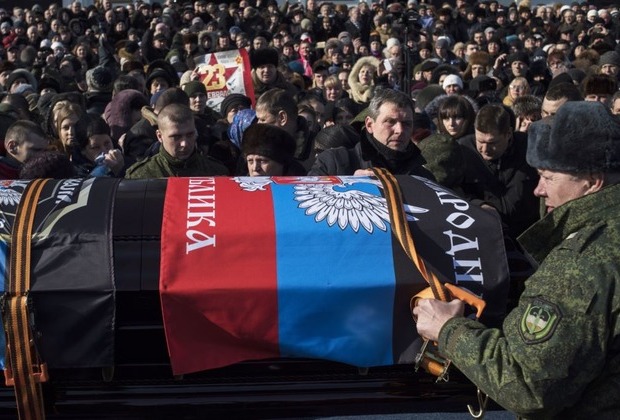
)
(24, 364)
(398, 220)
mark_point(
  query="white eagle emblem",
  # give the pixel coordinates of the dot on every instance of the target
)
(8, 196)
(249, 183)
(338, 204)
(345, 207)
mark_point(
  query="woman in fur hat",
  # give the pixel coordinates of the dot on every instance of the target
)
(362, 80)
(269, 151)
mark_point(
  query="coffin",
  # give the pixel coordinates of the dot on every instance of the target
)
(261, 295)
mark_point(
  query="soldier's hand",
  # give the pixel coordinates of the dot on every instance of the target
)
(432, 314)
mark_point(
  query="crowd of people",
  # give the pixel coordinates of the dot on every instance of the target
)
(95, 79)
(508, 106)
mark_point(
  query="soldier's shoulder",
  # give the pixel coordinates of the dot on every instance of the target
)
(139, 169)
(602, 234)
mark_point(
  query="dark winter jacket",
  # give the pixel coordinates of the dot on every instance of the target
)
(370, 153)
(506, 183)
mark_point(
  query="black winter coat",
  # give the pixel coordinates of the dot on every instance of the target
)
(507, 183)
(367, 154)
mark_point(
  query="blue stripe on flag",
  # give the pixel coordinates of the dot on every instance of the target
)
(335, 286)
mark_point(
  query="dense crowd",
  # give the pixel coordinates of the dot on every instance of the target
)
(95, 78)
(513, 108)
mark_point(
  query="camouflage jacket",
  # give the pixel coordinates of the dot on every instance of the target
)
(558, 353)
(163, 165)
(444, 158)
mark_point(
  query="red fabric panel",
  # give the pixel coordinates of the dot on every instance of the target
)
(199, 284)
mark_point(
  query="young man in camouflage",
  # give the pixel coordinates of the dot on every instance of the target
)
(558, 352)
(178, 154)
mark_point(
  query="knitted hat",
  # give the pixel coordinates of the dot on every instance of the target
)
(269, 141)
(194, 87)
(610, 57)
(99, 79)
(581, 137)
(233, 100)
(452, 79)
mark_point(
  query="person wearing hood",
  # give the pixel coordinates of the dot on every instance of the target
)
(362, 80)
(18, 77)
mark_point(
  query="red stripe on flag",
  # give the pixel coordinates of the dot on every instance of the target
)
(247, 75)
(218, 289)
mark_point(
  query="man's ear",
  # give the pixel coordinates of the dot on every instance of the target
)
(11, 146)
(158, 136)
(282, 118)
(595, 182)
(368, 123)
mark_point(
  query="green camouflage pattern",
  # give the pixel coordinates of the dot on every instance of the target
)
(163, 165)
(444, 159)
(568, 367)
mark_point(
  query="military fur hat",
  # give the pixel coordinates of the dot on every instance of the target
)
(263, 57)
(480, 58)
(269, 141)
(581, 137)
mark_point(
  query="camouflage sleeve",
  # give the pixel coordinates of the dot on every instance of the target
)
(551, 347)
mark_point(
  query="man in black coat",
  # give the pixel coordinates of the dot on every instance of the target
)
(385, 142)
(497, 175)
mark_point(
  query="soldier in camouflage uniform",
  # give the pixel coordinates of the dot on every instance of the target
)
(178, 154)
(558, 352)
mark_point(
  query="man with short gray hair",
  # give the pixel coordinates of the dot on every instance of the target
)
(385, 142)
